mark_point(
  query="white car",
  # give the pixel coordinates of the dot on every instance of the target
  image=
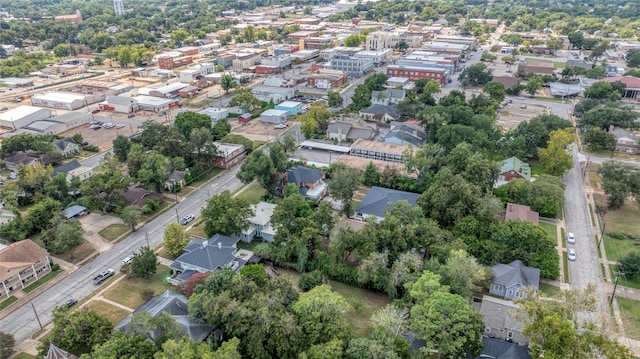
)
(519, 98)
(119, 125)
(571, 238)
(186, 219)
(281, 125)
(214, 95)
(128, 260)
(571, 254)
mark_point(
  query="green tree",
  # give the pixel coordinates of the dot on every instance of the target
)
(187, 121)
(633, 58)
(158, 329)
(476, 75)
(335, 99)
(226, 215)
(278, 157)
(220, 129)
(131, 215)
(245, 100)
(555, 43)
(576, 39)
(601, 90)
(256, 273)
(361, 98)
(370, 176)
(6, 345)
(154, 171)
(353, 40)
(179, 36)
(320, 313)
(555, 159)
(630, 264)
(258, 165)
(464, 275)
(123, 345)
(345, 181)
(598, 139)
(65, 235)
(58, 189)
(620, 181)
(533, 85)
(495, 90)
(555, 330)
(536, 131)
(79, 330)
(175, 239)
(240, 140)
(227, 82)
(309, 126)
(121, 147)
(144, 263)
(189, 349)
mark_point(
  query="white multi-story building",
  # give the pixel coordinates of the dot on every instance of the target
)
(282, 62)
(378, 57)
(379, 40)
(352, 66)
(244, 61)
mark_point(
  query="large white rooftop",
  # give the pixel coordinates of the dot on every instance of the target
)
(20, 112)
(59, 97)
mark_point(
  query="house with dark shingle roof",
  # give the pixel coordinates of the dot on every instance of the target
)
(376, 202)
(66, 167)
(500, 321)
(176, 305)
(379, 113)
(310, 181)
(500, 349)
(509, 279)
(22, 159)
(206, 256)
(406, 134)
(512, 168)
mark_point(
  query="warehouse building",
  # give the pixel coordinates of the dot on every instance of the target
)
(120, 104)
(23, 116)
(278, 94)
(59, 124)
(155, 104)
(274, 116)
(60, 100)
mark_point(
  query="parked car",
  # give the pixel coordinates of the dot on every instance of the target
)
(186, 219)
(523, 106)
(214, 95)
(119, 125)
(131, 115)
(128, 260)
(95, 111)
(571, 254)
(281, 125)
(71, 302)
(519, 98)
(104, 275)
(571, 238)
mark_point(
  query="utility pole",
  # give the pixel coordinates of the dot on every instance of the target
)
(586, 167)
(37, 317)
(604, 223)
(177, 216)
(615, 286)
(147, 234)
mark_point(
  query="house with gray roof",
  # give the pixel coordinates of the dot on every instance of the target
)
(379, 113)
(67, 147)
(626, 141)
(75, 211)
(66, 167)
(500, 321)
(493, 348)
(509, 279)
(310, 181)
(387, 97)
(406, 134)
(207, 256)
(343, 131)
(376, 202)
(260, 223)
(512, 168)
(176, 305)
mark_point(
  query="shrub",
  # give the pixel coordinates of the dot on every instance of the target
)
(310, 280)
(152, 203)
(617, 235)
(146, 294)
(630, 265)
(55, 267)
(91, 148)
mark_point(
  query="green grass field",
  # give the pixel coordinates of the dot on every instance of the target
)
(551, 229)
(25, 356)
(113, 231)
(128, 291)
(5, 303)
(252, 193)
(630, 310)
(549, 290)
(111, 312)
(623, 220)
(31, 287)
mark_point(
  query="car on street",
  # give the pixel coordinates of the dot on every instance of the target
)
(127, 260)
(519, 98)
(131, 115)
(70, 303)
(119, 125)
(186, 219)
(214, 95)
(571, 238)
(523, 106)
(104, 275)
(95, 127)
(571, 254)
(95, 111)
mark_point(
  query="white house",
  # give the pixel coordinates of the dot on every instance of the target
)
(260, 223)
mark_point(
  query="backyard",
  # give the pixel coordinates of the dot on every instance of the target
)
(363, 302)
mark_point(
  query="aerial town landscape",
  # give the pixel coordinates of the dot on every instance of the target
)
(319, 179)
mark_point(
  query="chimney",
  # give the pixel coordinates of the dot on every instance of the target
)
(415, 133)
(611, 128)
(219, 245)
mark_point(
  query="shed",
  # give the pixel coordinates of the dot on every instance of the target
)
(293, 107)
(245, 117)
(274, 116)
(75, 211)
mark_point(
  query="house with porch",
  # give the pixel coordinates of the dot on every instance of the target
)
(626, 141)
(208, 256)
(512, 168)
(509, 279)
(175, 178)
(376, 202)
(260, 223)
(67, 147)
(22, 159)
(21, 263)
(310, 181)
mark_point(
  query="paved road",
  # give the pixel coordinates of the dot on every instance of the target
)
(22, 322)
(586, 268)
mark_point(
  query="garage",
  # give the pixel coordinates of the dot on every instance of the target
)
(274, 116)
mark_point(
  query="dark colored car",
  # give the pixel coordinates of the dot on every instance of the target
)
(71, 302)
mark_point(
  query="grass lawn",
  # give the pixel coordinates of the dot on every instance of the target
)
(25, 356)
(252, 193)
(551, 229)
(630, 310)
(111, 312)
(257, 144)
(623, 281)
(198, 230)
(363, 302)
(127, 291)
(78, 254)
(249, 246)
(5, 303)
(565, 261)
(617, 248)
(622, 220)
(41, 281)
(549, 290)
(113, 231)
(536, 167)
(204, 178)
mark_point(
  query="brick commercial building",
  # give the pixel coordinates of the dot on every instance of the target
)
(327, 79)
(527, 68)
(415, 73)
(169, 62)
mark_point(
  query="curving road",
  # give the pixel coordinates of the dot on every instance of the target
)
(22, 322)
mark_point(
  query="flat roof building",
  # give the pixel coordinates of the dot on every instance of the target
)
(61, 100)
(22, 116)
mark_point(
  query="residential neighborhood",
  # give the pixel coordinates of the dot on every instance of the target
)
(344, 179)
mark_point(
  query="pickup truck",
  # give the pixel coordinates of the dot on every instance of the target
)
(102, 276)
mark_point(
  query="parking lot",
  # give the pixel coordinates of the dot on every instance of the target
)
(512, 114)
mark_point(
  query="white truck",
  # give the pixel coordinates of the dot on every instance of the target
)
(102, 276)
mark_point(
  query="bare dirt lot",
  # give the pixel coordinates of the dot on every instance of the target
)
(511, 116)
(255, 130)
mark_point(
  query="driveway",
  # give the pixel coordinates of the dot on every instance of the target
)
(94, 223)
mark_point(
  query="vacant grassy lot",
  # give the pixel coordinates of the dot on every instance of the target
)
(111, 312)
(624, 281)
(630, 317)
(551, 229)
(617, 248)
(549, 290)
(252, 193)
(363, 302)
(204, 178)
(113, 231)
(128, 291)
(78, 254)
(41, 281)
(623, 220)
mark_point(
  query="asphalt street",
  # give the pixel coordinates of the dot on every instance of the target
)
(22, 323)
(586, 268)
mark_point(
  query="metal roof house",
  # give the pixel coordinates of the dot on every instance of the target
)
(202, 256)
(512, 168)
(176, 305)
(508, 279)
(376, 202)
